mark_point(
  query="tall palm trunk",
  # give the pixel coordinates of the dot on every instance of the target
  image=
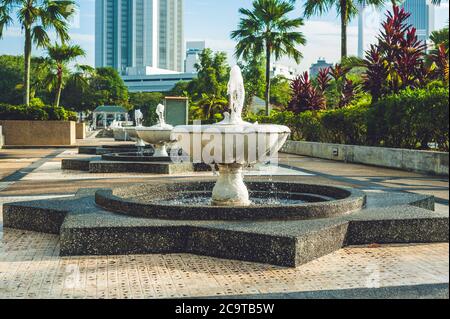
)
(59, 88)
(267, 95)
(27, 67)
(344, 24)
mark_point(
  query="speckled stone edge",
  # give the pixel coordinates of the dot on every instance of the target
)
(113, 234)
(428, 291)
(101, 166)
(347, 200)
(33, 218)
(139, 167)
(76, 164)
(107, 149)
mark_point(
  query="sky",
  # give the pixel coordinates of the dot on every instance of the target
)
(213, 20)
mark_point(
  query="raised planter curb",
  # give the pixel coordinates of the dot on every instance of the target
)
(428, 162)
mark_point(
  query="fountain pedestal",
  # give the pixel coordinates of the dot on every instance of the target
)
(160, 150)
(230, 189)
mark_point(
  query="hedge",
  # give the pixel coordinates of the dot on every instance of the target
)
(410, 119)
(35, 113)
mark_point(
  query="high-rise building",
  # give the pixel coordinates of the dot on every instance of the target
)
(422, 17)
(319, 65)
(361, 12)
(193, 50)
(139, 33)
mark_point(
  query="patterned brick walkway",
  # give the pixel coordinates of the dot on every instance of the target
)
(31, 268)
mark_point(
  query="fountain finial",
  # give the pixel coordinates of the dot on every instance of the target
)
(138, 117)
(236, 91)
(160, 112)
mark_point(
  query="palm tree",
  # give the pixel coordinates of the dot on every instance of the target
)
(347, 9)
(36, 18)
(62, 55)
(267, 30)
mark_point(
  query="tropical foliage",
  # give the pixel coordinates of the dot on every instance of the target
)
(60, 56)
(411, 118)
(267, 30)
(36, 18)
(347, 10)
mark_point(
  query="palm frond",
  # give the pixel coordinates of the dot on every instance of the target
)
(40, 36)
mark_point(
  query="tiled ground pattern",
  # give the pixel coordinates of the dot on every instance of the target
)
(31, 268)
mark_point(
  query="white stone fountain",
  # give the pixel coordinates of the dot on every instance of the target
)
(231, 144)
(131, 130)
(159, 136)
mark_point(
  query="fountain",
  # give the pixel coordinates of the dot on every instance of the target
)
(139, 158)
(280, 223)
(159, 136)
(119, 132)
(231, 144)
(131, 130)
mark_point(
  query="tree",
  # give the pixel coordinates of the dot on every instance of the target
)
(280, 93)
(36, 18)
(266, 29)
(254, 76)
(11, 79)
(439, 37)
(180, 89)
(397, 61)
(108, 88)
(347, 9)
(76, 94)
(61, 55)
(11, 74)
(212, 75)
(147, 102)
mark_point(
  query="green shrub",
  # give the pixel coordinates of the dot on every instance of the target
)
(36, 111)
(410, 119)
(346, 125)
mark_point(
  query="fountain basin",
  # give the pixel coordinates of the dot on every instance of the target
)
(230, 143)
(158, 136)
(120, 134)
(191, 201)
(131, 132)
(230, 146)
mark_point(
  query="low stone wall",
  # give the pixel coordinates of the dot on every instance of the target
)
(435, 163)
(80, 131)
(39, 133)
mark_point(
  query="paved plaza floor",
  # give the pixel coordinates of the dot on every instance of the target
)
(30, 266)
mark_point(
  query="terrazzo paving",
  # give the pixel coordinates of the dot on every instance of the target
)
(30, 266)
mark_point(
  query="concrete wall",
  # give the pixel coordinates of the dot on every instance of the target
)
(80, 131)
(39, 133)
(435, 163)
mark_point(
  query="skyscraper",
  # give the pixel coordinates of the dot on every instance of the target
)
(361, 9)
(193, 51)
(139, 34)
(422, 17)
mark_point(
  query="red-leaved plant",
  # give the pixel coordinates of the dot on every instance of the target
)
(440, 60)
(397, 61)
(323, 79)
(305, 97)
